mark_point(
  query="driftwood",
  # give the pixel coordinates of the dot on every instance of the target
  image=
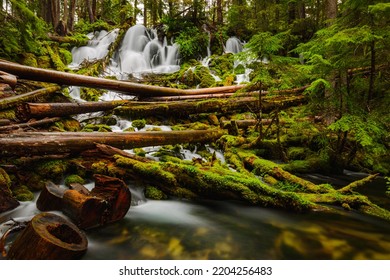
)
(49, 237)
(28, 111)
(14, 100)
(108, 201)
(41, 143)
(62, 78)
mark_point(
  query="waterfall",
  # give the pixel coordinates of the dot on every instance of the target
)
(140, 52)
(233, 45)
(97, 47)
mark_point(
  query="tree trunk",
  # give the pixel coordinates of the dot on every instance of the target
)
(185, 108)
(49, 237)
(72, 12)
(35, 143)
(88, 4)
(330, 10)
(372, 75)
(14, 100)
(28, 111)
(219, 12)
(63, 78)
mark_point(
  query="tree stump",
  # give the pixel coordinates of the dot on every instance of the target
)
(49, 237)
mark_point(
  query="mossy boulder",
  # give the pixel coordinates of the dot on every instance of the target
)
(7, 201)
(96, 127)
(22, 193)
(90, 94)
(138, 124)
(154, 193)
(71, 179)
(29, 59)
(222, 64)
(52, 169)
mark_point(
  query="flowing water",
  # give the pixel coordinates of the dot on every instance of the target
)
(179, 229)
(175, 229)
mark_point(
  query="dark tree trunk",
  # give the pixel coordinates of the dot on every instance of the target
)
(72, 12)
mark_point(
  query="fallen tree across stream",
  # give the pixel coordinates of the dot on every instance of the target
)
(44, 143)
(63, 78)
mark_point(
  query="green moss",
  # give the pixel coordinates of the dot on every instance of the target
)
(57, 63)
(90, 94)
(100, 167)
(22, 193)
(29, 59)
(294, 153)
(154, 193)
(44, 61)
(5, 181)
(96, 127)
(69, 124)
(74, 179)
(66, 56)
(52, 169)
(222, 65)
(35, 182)
(139, 152)
(227, 141)
(8, 114)
(138, 124)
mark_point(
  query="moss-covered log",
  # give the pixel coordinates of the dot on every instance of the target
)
(30, 124)
(25, 97)
(63, 78)
(28, 110)
(7, 201)
(41, 143)
(185, 108)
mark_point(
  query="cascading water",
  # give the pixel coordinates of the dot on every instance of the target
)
(97, 47)
(140, 52)
(233, 45)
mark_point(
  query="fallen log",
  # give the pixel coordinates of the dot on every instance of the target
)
(107, 202)
(44, 143)
(8, 79)
(49, 237)
(186, 108)
(14, 100)
(350, 187)
(28, 110)
(28, 124)
(63, 78)
(226, 95)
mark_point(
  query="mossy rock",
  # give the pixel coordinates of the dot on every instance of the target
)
(66, 56)
(154, 193)
(73, 179)
(90, 94)
(203, 75)
(138, 124)
(239, 69)
(52, 169)
(22, 193)
(139, 152)
(222, 64)
(69, 124)
(5, 180)
(8, 114)
(96, 127)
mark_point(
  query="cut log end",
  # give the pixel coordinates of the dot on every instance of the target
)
(49, 236)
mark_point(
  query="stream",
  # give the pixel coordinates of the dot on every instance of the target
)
(219, 230)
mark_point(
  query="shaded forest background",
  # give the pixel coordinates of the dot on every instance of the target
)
(339, 48)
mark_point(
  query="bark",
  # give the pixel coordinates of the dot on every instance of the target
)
(219, 12)
(45, 143)
(49, 237)
(30, 124)
(63, 78)
(88, 4)
(72, 12)
(12, 101)
(28, 111)
(185, 108)
(8, 79)
(331, 10)
(108, 202)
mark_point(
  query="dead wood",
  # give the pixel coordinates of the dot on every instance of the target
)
(44, 143)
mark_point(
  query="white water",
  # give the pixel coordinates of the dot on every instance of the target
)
(233, 45)
(140, 52)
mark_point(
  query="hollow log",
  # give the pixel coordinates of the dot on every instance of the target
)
(50, 198)
(14, 100)
(27, 110)
(49, 237)
(108, 202)
(185, 108)
(62, 78)
(43, 143)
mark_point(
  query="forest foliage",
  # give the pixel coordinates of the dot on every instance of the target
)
(339, 48)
